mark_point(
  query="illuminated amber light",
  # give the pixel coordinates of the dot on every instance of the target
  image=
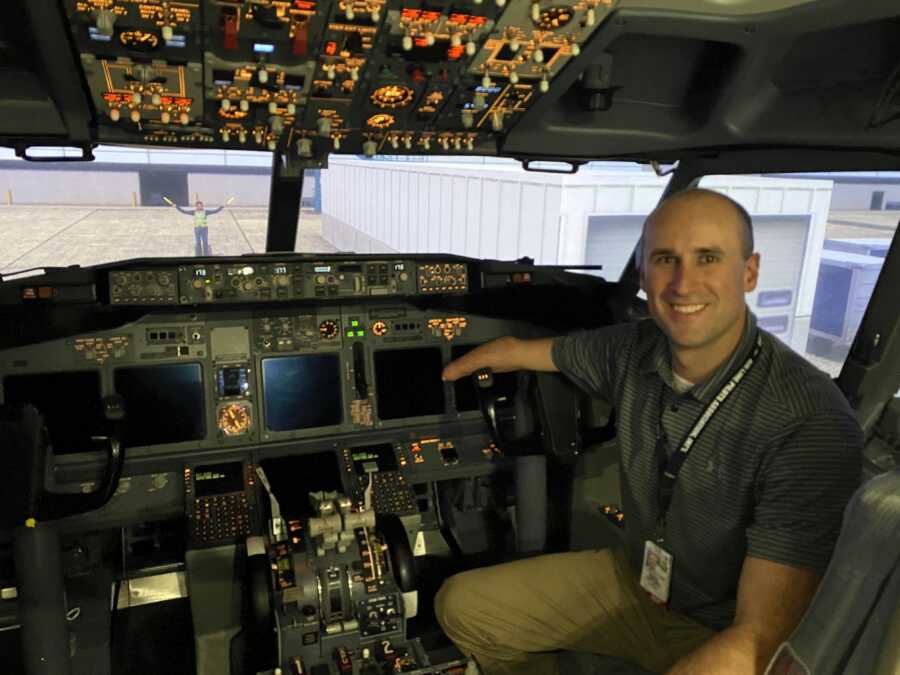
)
(392, 96)
(553, 18)
(233, 114)
(381, 121)
(234, 419)
(449, 328)
(139, 39)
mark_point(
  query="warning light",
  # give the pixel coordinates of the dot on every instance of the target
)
(331, 48)
(455, 53)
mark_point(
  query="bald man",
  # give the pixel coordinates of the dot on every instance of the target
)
(737, 459)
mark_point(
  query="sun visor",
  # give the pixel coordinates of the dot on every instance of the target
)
(29, 110)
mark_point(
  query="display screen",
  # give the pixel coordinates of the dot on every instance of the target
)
(232, 381)
(293, 478)
(218, 479)
(381, 455)
(302, 392)
(70, 403)
(408, 382)
(163, 404)
(466, 397)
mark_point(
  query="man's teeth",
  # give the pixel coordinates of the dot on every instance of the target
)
(687, 309)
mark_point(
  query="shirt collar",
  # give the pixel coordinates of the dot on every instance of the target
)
(659, 360)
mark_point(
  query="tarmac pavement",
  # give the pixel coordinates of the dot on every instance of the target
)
(35, 236)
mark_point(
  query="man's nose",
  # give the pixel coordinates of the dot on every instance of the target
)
(684, 279)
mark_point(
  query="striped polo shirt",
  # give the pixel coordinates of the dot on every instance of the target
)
(769, 476)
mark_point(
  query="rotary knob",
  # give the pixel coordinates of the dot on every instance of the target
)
(106, 21)
(328, 329)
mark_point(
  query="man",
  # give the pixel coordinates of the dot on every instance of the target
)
(201, 228)
(722, 560)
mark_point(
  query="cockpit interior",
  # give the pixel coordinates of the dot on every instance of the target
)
(249, 464)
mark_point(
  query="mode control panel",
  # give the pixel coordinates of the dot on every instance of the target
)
(255, 281)
(250, 282)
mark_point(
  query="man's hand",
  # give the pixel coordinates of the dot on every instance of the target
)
(230, 200)
(168, 201)
(771, 600)
(501, 356)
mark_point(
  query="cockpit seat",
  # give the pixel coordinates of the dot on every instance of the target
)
(853, 624)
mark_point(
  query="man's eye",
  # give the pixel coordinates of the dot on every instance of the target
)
(664, 259)
(709, 258)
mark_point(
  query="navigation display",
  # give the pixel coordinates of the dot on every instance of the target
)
(408, 382)
(218, 479)
(466, 396)
(163, 404)
(302, 392)
(70, 403)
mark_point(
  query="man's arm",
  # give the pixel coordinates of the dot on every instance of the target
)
(771, 600)
(212, 212)
(502, 355)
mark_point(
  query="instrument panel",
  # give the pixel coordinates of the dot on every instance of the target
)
(233, 378)
(312, 77)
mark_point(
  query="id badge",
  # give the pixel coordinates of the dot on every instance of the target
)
(656, 572)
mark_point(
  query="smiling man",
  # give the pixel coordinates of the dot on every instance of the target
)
(737, 459)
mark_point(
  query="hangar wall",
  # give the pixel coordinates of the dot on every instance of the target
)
(56, 187)
(479, 211)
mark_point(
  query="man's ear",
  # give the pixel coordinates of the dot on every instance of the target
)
(751, 273)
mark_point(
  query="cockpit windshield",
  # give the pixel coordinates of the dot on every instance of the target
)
(822, 237)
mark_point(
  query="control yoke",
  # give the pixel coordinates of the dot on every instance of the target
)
(29, 509)
(24, 461)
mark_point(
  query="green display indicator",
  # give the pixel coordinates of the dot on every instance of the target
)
(349, 333)
(354, 323)
(360, 333)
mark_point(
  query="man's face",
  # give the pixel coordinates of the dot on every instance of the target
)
(694, 272)
(199, 206)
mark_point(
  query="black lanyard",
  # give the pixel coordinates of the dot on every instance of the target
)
(670, 467)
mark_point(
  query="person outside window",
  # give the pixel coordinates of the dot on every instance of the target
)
(201, 226)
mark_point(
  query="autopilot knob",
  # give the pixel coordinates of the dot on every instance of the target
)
(276, 124)
(324, 126)
(106, 21)
(304, 147)
(369, 148)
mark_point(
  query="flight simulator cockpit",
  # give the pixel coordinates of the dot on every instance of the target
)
(285, 431)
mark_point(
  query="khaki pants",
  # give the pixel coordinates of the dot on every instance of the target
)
(513, 617)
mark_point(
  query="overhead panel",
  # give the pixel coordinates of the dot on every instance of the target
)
(314, 77)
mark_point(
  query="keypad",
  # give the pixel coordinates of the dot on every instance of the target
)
(391, 493)
(220, 518)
